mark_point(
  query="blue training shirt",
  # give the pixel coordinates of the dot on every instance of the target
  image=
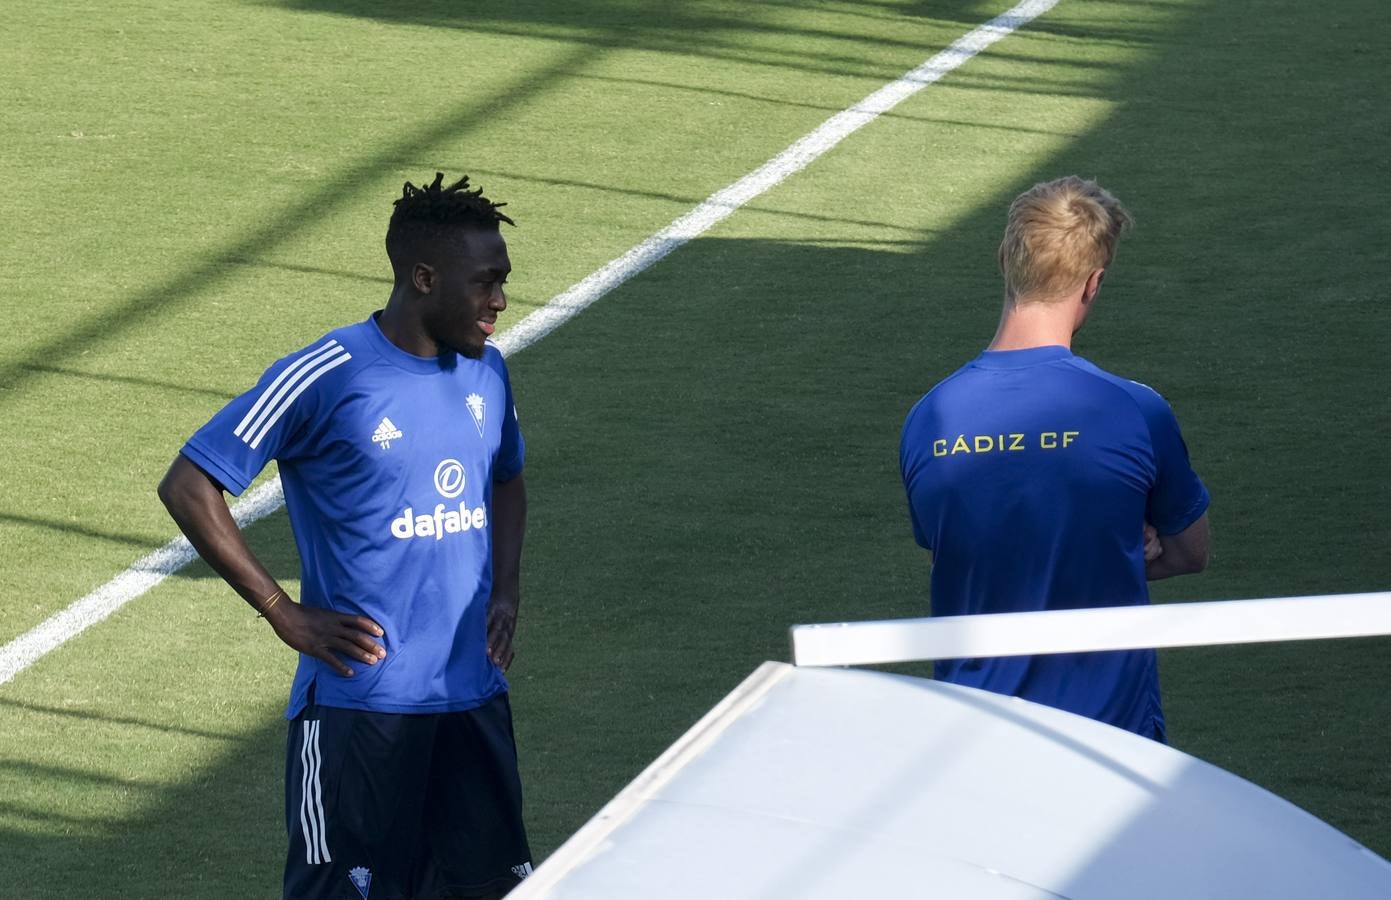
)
(1030, 475)
(388, 462)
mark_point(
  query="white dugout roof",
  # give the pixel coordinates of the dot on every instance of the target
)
(834, 783)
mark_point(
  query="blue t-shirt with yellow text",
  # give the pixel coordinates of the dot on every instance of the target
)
(1030, 475)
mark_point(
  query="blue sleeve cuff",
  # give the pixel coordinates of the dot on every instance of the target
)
(502, 476)
(1191, 515)
(215, 467)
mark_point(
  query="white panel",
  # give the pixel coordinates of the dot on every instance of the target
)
(825, 783)
(1079, 630)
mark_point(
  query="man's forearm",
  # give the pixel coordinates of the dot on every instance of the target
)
(197, 506)
(1165, 567)
(1185, 553)
(509, 531)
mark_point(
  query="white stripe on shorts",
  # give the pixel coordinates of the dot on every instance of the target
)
(311, 807)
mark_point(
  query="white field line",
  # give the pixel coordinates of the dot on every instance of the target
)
(150, 570)
(795, 158)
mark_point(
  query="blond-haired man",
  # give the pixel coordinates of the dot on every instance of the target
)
(1039, 481)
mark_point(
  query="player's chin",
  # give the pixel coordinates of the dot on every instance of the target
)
(472, 347)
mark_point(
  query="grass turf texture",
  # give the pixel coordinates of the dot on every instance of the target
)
(713, 447)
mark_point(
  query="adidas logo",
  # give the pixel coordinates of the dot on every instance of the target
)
(386, 433)
(522, 870)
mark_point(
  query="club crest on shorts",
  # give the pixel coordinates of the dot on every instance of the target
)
(361, 877)
(478, 409)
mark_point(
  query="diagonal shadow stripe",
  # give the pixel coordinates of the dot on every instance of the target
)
(87, 714)
(140, 308)
(316, 270)
(132, 380)
(689, 200)
(153, 568)
(72, 527)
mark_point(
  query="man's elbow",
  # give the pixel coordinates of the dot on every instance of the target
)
(1197, 563)
(178, 487)
(166, 491)
(1192, 546)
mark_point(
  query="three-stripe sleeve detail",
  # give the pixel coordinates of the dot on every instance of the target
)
(289, 384)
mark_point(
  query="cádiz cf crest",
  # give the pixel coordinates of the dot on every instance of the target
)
(478, 409)
(362, 880)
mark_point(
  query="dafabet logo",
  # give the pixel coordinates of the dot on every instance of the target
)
(450, 483)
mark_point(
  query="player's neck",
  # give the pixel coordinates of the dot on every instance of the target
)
(1035, 324)
(405, 330)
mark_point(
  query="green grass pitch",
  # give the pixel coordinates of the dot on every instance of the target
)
(193, 189)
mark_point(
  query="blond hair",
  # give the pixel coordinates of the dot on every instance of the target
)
(1058, 233)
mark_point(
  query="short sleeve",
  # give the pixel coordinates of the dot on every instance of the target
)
(260, 425)
(511, 454)
(909, 466)
(1178, 497)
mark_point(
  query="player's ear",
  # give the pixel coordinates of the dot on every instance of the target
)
(1093, 285)
(423, 277)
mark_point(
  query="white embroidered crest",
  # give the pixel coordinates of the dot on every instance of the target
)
(478, 409)
(361, 878)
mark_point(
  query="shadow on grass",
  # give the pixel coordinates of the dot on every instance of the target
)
(694, 201)
(87, 714)
(273, 541)
(719, 32)
(693, 493)
(71, 528)
(132, 380)
(733, 34)
(313, 270)
(713, 458)
(142, 309)
(220, 834)
(589, 30)
(705, 90)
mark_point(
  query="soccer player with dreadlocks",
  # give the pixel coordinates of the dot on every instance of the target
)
(401, 459)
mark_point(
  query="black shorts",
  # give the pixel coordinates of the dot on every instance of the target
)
(382, 806)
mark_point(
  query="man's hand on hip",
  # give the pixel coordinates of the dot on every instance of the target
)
(327, 635)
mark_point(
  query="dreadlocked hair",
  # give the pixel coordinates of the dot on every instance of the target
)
(453, 205)
(424, 217)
